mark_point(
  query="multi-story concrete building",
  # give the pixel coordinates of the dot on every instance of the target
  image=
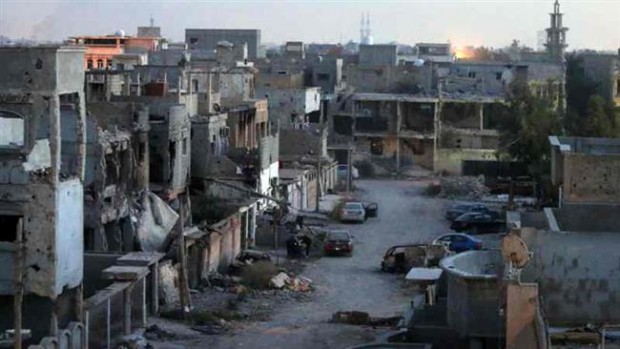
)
(42, 138)
(207, 39)
(101, 49)
(378, 55)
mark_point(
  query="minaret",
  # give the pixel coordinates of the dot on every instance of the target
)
(365, 37)
(362, 30)
(556, 35)
(368, 25)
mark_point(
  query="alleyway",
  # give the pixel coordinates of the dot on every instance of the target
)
(344, 283)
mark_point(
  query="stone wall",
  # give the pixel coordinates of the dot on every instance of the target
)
(578, 275)
(591, 178)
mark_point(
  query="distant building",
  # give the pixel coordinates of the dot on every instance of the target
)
(437, 53)
(377, 55)
(207, 39)
(101, 50)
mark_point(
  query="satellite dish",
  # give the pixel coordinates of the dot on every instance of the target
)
(515, 251)
(418, 62)
(119, 32)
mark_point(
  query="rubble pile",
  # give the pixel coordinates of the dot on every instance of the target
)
(291, 283)
(463, 187)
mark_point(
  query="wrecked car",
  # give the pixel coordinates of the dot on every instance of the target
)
(402, 258)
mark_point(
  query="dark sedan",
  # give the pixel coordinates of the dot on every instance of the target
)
(475, 222)
(458, 209)
(338, 242)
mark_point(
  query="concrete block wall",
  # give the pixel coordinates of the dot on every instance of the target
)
(591, 178)
(578, 275)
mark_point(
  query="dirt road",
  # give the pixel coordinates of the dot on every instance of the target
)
(343, 283)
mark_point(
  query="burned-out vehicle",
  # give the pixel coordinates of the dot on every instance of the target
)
(402, 258)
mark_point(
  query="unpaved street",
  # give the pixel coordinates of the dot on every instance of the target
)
(343, 283)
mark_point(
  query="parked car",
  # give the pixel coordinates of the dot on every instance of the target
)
(477, 223)
(401, 258)
(458, 242)
(458, 209)
(338, 242)
(371, 209)
(353, 211)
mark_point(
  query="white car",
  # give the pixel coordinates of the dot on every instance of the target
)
(353, 212)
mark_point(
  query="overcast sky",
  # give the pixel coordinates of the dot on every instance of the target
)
(593, 23)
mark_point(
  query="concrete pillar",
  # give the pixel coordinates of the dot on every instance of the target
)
(179, 83)
(54, 137)
(354, 118)
(437, 131)
(139, 89)
(397, 154)
(480, 108)
(127, 84)
(399, 116)
(81, 137)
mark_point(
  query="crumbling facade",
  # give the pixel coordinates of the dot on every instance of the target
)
(42, 137)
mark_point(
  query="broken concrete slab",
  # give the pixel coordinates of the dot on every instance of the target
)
(156, 222)
(279, 281)
(124, 273)
(40, 158)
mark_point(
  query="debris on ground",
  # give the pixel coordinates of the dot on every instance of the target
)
(363, 318)
(468, 187)
(217, 328)
(351, 317)
(155, 332)
(279, 281)
(133, 341)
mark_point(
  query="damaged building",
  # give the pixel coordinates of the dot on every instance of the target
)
(438, 120)
(43, 142)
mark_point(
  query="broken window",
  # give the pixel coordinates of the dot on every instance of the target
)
(100, 64)
(89, 64)
(111, 169)
(193, 40)
(11, 130)
(8, 227)
(471, 74)
(376, 146)
(322, 77)
(172, 151)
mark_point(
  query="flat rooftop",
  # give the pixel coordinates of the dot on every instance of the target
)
(586, 145)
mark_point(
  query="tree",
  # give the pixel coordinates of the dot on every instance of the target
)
(588, 114)
(525, 128)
